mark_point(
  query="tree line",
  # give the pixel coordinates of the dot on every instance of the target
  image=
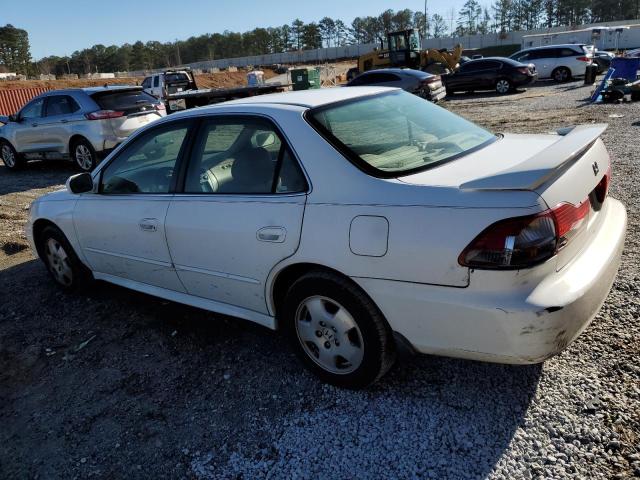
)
(500, 16)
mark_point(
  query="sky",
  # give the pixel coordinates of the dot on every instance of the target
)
(59, 27)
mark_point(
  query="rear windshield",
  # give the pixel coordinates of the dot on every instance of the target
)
(123, 100)
(176, 78)
(397, 133)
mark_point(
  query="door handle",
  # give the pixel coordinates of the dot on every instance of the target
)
(64, 120)
(148, 224)
(272, 234)
(34, 124)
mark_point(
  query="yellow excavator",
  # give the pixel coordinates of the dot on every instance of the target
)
(403, 51)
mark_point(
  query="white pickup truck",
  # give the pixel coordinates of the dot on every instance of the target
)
(178, 90)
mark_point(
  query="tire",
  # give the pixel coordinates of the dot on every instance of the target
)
(337, 331)
(561, 74)
(61, 261)
(83, 154)
(11, 159)
(503, 86)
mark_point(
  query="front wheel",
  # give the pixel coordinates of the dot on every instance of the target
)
(337, 331)
(84, 155)
(561, 74)
(61, 260)
(11, 159)
(503, 86)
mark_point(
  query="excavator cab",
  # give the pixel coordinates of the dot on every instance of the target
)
(404, 48)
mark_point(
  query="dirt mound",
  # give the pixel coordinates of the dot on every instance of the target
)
(205, 80)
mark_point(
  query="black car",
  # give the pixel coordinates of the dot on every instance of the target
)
(603, 60)
(420, 83)
(492, 73)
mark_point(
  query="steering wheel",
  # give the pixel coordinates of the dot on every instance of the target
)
(444, 145)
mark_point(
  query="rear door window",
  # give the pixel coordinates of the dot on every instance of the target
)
(61, 105)
(127, 101)
(568, 52)
(242, 156)
(156, 81)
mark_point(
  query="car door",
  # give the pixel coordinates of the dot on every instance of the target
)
(545, 61)
(488, 73)
(28, 135)
(462, 79)
(62, 112)
(121, 225)
(240, 211)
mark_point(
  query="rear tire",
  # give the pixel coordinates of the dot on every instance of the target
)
(503, 86)
(561, 74)
(11, 159)
(61, 261)
(337, 331)
(84, 155)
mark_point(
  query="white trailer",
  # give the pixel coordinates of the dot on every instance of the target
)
(621, 37)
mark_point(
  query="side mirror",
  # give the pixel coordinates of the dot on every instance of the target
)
(80, 183)
(14, 118)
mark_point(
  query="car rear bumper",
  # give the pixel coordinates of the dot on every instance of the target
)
(516, 317)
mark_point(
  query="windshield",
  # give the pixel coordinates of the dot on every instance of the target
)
(397, 132)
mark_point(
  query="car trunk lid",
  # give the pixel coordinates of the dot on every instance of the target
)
(568, 168)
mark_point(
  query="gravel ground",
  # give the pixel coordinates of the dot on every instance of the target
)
(115, 384)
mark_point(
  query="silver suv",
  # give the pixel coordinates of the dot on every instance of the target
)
(82, 124)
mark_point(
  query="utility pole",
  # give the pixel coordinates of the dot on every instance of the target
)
(425, 19)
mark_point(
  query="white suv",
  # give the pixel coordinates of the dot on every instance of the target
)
(560, 62)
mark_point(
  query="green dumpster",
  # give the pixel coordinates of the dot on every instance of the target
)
(305, 78)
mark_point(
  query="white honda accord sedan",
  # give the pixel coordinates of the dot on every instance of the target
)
(355, 219)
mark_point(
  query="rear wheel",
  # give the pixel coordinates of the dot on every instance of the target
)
(561, 74)
(11, 159)
(337, 331)
(503, 86)
(61, 260)
(84, 155)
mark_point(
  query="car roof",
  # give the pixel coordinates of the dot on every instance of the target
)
(559, 45)
(90, 90)
(510, 61)
(109, 88)
(311, 98)
(406, 71)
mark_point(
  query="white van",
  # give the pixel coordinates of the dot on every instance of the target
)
(560, 62)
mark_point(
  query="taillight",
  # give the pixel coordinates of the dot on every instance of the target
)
(432, 79)
(513, 243)
(159, 106)
(569, 219)
(524, 70)
(104, 114)
(602, 188)
(522, 242)
(583, 59)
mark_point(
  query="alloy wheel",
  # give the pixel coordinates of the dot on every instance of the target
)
(8, 157)
(503, 86)
(58, 262)
(561, 75)
(84, 157)
(329, 335)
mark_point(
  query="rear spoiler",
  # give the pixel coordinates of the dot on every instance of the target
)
(545, 165)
